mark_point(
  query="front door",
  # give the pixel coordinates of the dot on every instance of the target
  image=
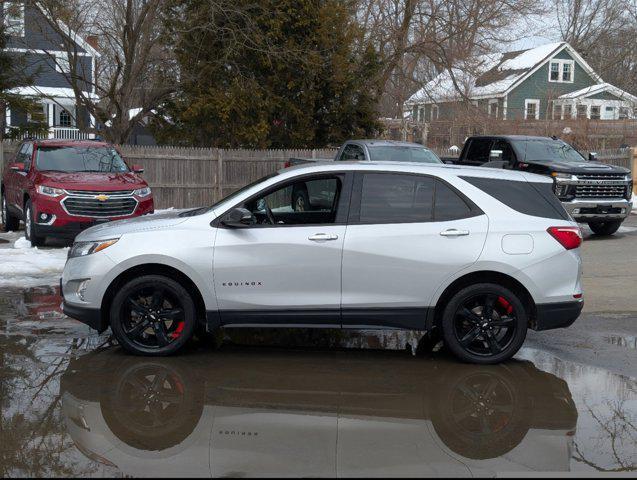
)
(407, 234)
(286, 269)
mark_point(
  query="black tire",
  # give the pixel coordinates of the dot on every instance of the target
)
(153, 315)
(9, 222)
(605, 228)
(29, 226)
(300, 200)
(484, 324)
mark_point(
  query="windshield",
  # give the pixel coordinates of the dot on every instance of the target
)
(551, 151)
(80, 159)
(392, 153)
(202, 210)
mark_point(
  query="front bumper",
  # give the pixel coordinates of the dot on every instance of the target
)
(598, 209)
(90, 316)
(557, 315)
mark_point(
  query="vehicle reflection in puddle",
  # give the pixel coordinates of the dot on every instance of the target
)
(250, 412)
(625, 341)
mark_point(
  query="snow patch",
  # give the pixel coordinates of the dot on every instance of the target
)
(22, 265)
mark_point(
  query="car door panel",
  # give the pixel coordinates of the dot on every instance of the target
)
(392, 270)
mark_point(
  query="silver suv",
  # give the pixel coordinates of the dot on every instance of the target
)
(478, 254)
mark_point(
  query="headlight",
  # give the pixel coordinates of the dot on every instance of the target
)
(81, 249)
(142, 192)
(561, 177)
(50, 191)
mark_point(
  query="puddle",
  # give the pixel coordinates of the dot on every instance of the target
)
(71, 405)
(625, 341)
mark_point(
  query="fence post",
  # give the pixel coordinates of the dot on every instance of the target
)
(219, 174)
(633, 169)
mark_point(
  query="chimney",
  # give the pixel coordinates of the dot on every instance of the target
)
(92, 40)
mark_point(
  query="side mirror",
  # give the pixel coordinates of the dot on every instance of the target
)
(495, 155)
(449, 162)
(137, 169)
(239, 218)
(592, 157)
(17, 167)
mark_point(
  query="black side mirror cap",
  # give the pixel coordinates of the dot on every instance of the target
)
(592, 157)
(239, 218)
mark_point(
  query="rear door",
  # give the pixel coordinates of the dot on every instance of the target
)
(406, 234)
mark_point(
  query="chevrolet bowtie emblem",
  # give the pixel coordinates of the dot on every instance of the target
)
(102, 198)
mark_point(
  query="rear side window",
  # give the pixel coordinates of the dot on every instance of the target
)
(479, 149)
(395, 198)
(449, 205)
(536, 199)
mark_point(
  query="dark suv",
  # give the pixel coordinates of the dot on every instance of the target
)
(61, 187)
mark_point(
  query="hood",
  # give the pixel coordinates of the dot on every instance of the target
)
(106, 182)
(117, 228)
(580, 167)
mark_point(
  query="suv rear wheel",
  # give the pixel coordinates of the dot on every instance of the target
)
(605, 228)
(152, 315)
(484, 323)
(9, 222)
(29, 226)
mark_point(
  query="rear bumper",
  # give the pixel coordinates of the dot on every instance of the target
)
(557, 315)
(598, 209)
(89, 316)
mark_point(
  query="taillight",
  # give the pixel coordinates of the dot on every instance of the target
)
(569, 237)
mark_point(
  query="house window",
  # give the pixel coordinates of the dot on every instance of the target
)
(531, 109)
(557, 112)
(561, 71)
(493, 108)
(14, 18)
(582, 111)
(65, 118)
(595, 112)
(414, 113)
(568, 111)
(421, 114)
(433, 115)
(62, 63)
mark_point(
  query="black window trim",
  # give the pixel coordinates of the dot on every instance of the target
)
(357, 193)
(346, 178)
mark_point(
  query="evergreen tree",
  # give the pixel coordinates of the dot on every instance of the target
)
(13, 75)
(270, 74)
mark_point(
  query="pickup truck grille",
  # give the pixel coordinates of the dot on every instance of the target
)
(604, 176)
(92, 207)
(600, 191)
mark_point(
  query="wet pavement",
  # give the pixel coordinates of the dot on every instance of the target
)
(74, 404)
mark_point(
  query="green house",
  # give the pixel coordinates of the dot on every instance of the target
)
(551, 81)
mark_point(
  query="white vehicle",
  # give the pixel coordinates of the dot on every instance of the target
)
(480, 254)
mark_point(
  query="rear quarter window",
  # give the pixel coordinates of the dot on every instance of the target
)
(531, 198)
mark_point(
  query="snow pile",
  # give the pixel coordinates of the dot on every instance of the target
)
(22, 265)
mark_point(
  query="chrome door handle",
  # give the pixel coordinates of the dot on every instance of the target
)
(453, 232)
(322, 237)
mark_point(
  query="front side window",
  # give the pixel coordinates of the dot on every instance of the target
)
(28, 155)
(479, 150)
(303, 202)
(14, 18)
(80, 159)
(353, 152)
(399, 153)
(550, 151)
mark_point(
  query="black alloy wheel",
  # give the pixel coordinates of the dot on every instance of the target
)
(485, 324)
(153, 315)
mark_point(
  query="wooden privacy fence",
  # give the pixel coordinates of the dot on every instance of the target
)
(192, 177)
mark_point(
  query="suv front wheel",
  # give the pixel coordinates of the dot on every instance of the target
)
(29, 226)
(152, 315)
(484, 323)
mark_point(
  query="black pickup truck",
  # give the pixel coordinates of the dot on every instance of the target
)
(592, 192)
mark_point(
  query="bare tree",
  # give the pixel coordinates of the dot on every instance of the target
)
(134, 72)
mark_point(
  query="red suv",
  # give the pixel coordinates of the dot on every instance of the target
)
(61, 187)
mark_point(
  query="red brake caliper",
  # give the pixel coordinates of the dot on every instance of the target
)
(506, 305)
(179, 329)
